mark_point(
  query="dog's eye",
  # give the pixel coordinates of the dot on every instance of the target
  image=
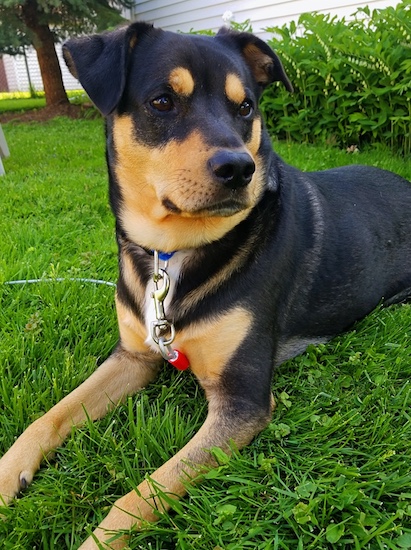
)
(163, 103)
(246, 108)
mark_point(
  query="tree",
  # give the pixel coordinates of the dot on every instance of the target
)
(42, 23)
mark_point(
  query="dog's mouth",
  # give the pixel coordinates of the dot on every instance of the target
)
(224, 208)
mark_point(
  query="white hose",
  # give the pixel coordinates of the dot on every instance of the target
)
(60, 279)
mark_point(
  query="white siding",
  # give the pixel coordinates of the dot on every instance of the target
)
(9, 67)
(17, 73)
(186, 15)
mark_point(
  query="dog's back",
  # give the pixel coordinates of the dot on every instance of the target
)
(352, 250)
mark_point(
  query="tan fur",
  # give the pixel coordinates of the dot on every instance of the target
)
(254, 145)
(70, 63)
(234, 89)
(131, 279)
(182, 81)
(210, 344)
(132, 43)
(133, 333)
(259, 63)
(175, 172)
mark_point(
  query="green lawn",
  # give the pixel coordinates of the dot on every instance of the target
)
(21, 105)
(19, 102)
(333, 469)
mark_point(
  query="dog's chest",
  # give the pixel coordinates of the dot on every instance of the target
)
(174, 269)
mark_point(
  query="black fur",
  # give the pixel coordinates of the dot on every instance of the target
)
(323, 248)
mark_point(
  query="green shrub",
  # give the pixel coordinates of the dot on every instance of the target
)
(352, 79)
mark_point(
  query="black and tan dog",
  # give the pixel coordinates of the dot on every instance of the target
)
(262, 258)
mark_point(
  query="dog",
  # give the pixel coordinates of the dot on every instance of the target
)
(230, 261)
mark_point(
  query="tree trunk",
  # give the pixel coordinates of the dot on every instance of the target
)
(46, 54)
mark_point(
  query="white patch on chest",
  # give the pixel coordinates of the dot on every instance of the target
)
(175, 268)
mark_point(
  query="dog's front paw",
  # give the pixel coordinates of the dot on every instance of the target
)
(15, 476)
(20, 463)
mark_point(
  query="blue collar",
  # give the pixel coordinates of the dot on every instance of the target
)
(165, 256)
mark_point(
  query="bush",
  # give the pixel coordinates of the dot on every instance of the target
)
(352, 79)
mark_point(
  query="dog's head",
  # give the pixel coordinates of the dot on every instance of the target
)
(186, 146)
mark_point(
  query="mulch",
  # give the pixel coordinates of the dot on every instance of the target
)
(50, 112)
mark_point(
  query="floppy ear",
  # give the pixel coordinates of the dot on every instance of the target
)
(100, 62)
(263, 62)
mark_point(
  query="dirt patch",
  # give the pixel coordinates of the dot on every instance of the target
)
(53, 111)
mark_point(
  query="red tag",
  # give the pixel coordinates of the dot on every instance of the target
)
(180, 361)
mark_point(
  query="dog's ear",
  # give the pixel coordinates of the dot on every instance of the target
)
(263, 62)
(100, 62)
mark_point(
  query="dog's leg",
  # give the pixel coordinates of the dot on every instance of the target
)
(122, 374)
(237, 422)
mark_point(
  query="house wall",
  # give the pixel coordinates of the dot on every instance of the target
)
(186, 15)
(16, 72)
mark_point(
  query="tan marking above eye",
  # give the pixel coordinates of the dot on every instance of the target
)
(181, 81)
(234, 89)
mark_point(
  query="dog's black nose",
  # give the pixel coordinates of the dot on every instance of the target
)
(232, 169)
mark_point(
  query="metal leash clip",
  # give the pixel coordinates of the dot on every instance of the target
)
(162, 330)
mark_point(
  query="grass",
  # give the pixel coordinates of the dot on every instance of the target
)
(331, 471)
(21, 105)
(22, 101)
